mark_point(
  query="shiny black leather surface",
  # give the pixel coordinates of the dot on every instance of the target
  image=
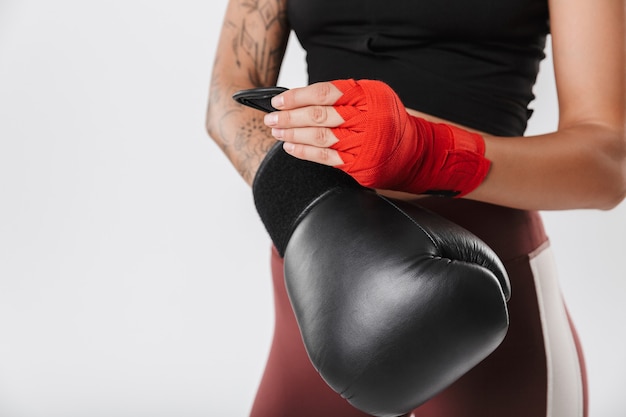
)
(393, 303)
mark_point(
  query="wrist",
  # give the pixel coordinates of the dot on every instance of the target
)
(452, 162)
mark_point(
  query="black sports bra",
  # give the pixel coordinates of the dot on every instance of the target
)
(473, 62)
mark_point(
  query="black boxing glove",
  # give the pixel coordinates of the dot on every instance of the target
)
(394, 303)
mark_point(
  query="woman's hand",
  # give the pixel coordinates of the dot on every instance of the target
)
(363, 128)
(305, 122)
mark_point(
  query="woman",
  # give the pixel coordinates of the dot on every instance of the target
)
(461, 67)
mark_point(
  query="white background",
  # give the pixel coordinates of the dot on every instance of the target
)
(134, 275)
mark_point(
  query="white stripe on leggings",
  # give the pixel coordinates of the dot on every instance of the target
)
(565, 392)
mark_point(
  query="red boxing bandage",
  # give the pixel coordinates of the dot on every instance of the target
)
(382, 146)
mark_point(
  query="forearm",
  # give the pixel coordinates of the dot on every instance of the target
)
(250, 51)
(238, 131)
(583, 166)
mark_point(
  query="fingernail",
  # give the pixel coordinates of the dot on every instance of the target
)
(271, 119)
(278, 101)
(278, 133)
(288, 147)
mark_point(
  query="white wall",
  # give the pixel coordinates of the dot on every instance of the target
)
(134, 278)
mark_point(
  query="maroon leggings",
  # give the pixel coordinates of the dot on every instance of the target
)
(513, 381)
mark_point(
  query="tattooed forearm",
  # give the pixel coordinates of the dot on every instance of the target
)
(247, 143)
(255, 38)
(251, 50)
(239, 131)
(252, 142)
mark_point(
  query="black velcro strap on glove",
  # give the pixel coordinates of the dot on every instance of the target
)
(284, 187)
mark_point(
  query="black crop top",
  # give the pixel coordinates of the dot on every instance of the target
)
(473, 62)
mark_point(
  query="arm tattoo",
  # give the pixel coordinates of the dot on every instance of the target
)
(258, 43)
(252, 142)
(261, 15)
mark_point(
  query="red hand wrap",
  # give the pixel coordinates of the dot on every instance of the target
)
(382, 146)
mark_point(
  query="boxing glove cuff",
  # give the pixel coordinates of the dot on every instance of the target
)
(284, 187)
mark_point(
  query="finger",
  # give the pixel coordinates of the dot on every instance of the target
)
(318, 94)
(324, 156)
(320, 137)
(310, 116)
